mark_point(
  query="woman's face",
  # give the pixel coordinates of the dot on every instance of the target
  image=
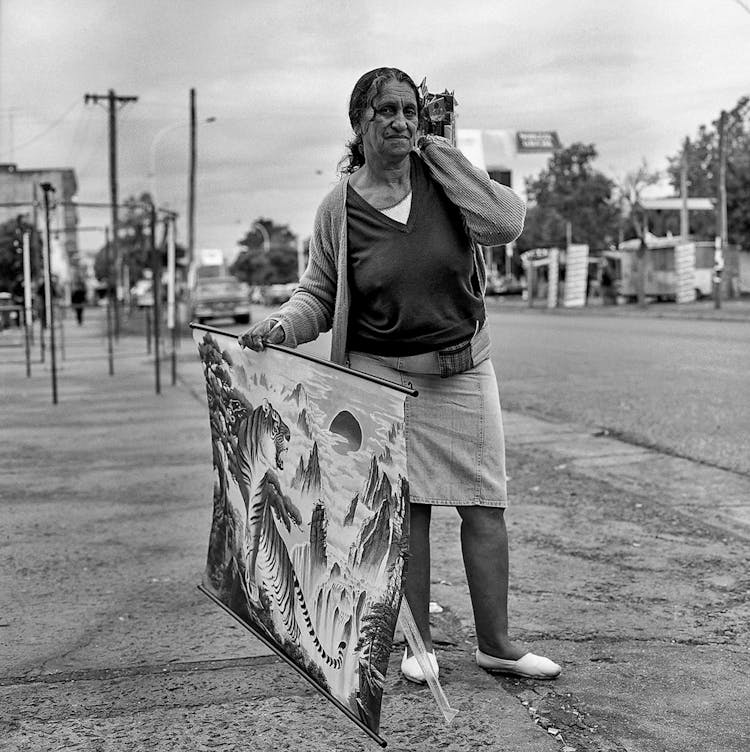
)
(389, 127)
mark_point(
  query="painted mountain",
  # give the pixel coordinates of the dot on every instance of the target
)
(308, 534)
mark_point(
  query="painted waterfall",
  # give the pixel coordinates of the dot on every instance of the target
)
(309, 533)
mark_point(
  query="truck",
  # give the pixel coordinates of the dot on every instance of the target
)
(209, 262)
(213, 292)
(220, 298)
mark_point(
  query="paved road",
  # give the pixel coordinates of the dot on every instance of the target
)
(621, 569)
(676, 384)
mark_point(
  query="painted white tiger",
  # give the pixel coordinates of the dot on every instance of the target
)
(262, 441)
(263, 438)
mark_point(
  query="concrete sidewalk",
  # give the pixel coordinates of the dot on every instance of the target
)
(106, 644)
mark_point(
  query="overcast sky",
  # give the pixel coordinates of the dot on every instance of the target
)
(632, 77)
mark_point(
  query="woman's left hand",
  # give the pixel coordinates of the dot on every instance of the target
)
(256, 337)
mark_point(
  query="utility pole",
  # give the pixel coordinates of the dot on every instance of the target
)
(191, 182)
(684, 222)
(113, 100)
(721, 230)
(724, 230)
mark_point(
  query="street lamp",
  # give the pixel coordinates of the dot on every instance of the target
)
(152, 151)
(264, 233)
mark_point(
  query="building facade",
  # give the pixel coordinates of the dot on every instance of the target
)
(21, 194)
(510, 157)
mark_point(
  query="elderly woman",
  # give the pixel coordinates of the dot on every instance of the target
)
(395, 271)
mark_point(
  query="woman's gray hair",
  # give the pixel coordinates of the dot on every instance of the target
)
(365, 90)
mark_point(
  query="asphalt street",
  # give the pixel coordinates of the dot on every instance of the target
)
(676, 384)
(628, 566)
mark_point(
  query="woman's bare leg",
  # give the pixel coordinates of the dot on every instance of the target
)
(417, 587)
(484, 544)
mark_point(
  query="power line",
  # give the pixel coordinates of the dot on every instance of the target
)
(743, 5)
(44, 132)
(95, 141)
(80, 135)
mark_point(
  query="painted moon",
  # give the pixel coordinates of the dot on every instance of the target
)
(347, 426)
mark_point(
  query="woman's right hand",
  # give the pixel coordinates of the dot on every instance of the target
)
(256, 337)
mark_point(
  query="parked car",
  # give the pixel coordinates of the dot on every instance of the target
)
(142, 293)
(218, 298)
(497, 285)
(277, 294)
(9, 313)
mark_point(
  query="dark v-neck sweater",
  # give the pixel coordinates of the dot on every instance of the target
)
(414, 287)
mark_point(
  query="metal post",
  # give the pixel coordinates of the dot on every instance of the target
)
(148, 326)
(171, 252)
(61, 320)
(508, 261)
(47, 187)
(178, 322)
(553, 277)
(108, 267)
(531, 282)
(641, 255)
(42, 343)
(27, 311)
(156, 268)
(126, 282)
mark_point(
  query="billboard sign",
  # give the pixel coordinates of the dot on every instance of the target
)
(537, 141)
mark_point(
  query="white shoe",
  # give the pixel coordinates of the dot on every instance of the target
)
(411, 670)
(529, 666)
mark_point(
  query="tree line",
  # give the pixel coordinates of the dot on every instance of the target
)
(571, 199)
(11, 254)
(257, 264)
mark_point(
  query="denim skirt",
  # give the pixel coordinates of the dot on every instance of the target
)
(455, 447)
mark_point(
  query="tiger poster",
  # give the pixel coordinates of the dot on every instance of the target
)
(310, 526)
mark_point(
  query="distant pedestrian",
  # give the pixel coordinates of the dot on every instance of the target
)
(396, 271)
(607, 283)
(78, 300)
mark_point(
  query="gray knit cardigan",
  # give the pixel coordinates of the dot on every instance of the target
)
(492, 213)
